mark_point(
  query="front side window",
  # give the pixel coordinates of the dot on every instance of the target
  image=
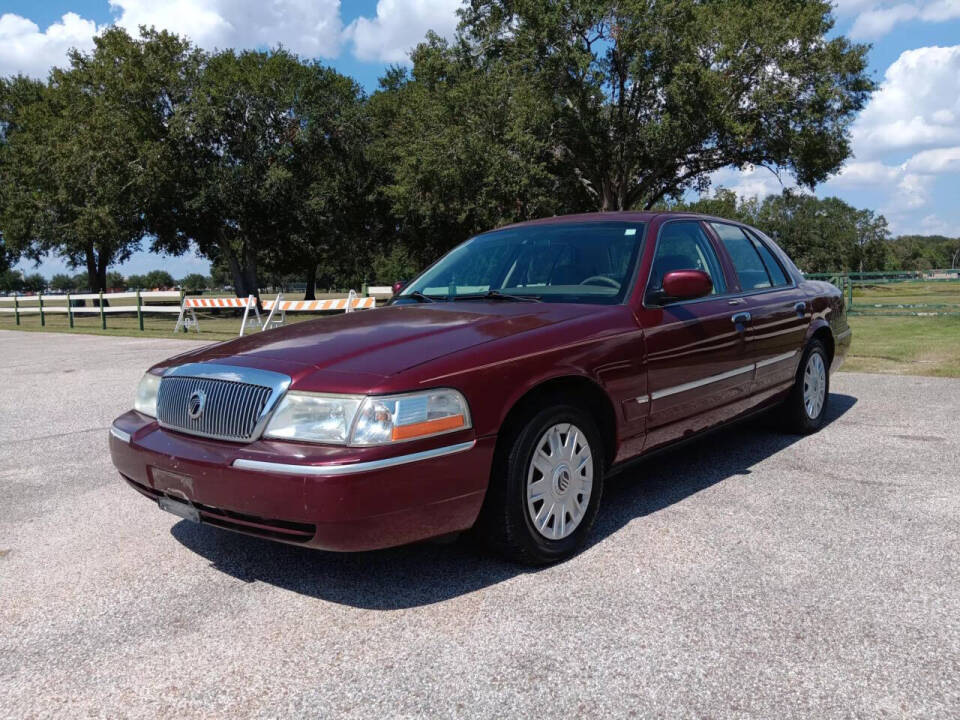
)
(566, 262)
(751, 271)
(683, 245)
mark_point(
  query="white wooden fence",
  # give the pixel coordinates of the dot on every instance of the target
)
(147, 301)
(174, 302)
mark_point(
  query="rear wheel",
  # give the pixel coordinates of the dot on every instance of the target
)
(806, 407)
(546, 486)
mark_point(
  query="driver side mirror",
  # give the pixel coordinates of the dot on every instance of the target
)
(686, 285)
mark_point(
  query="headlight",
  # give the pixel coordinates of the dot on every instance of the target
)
(146, 400)
(356, 420)
(314, 418)
(408, 417)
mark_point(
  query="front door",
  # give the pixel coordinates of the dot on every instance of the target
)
(697, 371)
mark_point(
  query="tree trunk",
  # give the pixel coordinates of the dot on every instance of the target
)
(91, 259)
(236, 272)
(250, 271)
(311, 292)
(102, 262)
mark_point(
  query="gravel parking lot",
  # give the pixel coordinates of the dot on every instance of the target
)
(750, 574)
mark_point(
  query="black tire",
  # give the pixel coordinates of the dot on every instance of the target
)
(505, 524)
(794, 411)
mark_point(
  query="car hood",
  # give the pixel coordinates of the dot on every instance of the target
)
(387, 340)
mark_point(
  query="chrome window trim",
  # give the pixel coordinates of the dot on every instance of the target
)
(350, 468)
(277, 382)
(120, 434)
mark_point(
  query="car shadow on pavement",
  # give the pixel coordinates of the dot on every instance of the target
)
(430, 572)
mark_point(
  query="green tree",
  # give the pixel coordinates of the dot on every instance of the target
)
(61, 283)
(35, 282)
(234, 195)
(194, 282)
(649, 97)
(336, 221)
(115, 280)
(86, 154)
(81, 282)
(466, 145)
(158, 279)
(11, 281)
(924, 252)
(820, 235)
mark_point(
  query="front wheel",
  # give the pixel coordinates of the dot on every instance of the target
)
(805, 409)
(546, 487)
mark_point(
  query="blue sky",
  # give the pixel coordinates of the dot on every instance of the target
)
(906, 142)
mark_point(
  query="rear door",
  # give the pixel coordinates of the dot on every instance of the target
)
(696, 366)
(779, 314)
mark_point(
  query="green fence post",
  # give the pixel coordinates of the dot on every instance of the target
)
(850, 304)
(16, 308)
(103, 315)
(43, 322)
(70, 310)
(139, 311)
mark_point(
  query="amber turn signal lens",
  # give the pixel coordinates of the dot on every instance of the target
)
(428, 427)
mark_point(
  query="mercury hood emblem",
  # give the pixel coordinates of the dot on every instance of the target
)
(198, 399)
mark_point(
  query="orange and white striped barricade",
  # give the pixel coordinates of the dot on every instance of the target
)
(191, 304)
(348, 304)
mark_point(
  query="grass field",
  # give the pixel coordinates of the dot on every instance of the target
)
(907, 345)
(908, 293)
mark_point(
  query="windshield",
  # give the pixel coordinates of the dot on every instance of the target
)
(574, 262)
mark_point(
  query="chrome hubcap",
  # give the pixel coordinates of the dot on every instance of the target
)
(559, 481)
(814, 385)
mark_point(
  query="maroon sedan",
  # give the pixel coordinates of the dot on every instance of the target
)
(495, 391)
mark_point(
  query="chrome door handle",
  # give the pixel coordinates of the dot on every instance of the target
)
(740, 318)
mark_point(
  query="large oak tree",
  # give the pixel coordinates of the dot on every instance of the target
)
(644, 99)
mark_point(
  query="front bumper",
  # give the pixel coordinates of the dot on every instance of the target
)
(345, 499)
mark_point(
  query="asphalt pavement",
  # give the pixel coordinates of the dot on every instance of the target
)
(751, 574)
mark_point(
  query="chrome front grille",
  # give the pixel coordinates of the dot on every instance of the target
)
(233, 402)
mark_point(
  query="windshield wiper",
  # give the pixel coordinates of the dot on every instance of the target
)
(497, 295)
(419, 297)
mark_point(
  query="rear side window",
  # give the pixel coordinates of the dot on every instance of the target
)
(774, 268)
(747, 262)
(683, 245)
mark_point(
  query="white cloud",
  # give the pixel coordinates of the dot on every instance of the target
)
(941, 11)
(398, 26)
(879, 21)
(935, 162)
(24, 49)
(875, 19)
(917, 105)
(308, 27)
(752, 181)
(861, 174)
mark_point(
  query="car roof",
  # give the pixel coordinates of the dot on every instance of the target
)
(617, 215)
